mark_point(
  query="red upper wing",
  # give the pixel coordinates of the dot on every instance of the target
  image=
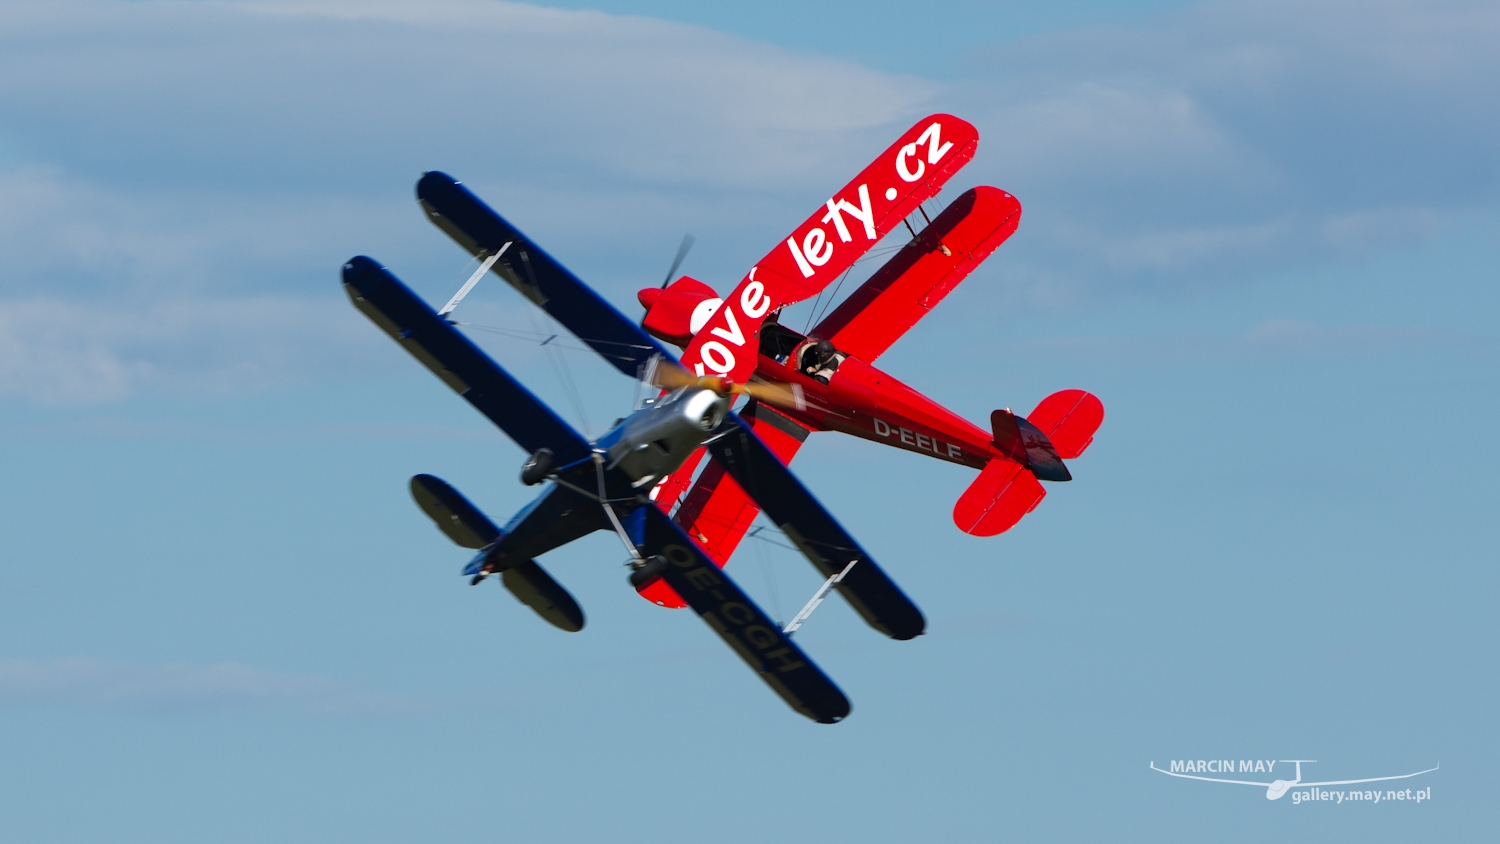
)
(827, 243)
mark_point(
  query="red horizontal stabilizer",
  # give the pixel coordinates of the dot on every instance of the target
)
(1003, 493)
(1069, 418)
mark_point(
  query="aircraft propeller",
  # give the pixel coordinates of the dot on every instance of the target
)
(687, 243)
(670, 376)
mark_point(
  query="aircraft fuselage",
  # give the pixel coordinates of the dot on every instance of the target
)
(866, 402)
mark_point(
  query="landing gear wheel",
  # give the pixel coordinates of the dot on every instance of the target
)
(648, 573)
(537, 467)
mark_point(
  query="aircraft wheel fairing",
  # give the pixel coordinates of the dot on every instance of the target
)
(537, 467)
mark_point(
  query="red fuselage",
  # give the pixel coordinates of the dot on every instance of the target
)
(868, 403)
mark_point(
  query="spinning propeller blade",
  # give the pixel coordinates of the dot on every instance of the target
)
(682, 250)
(669, 375)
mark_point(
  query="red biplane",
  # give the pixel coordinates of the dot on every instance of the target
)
(628, 480)
(835, 386)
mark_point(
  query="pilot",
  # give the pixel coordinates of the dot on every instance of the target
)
(820, 360)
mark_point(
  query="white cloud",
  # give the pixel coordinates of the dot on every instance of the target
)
(57, 351)
(184, 179)
(1271, 339)
(165, 690)
(334, 90)
(1229, 139)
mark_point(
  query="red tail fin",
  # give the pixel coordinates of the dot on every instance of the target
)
(1062, 426)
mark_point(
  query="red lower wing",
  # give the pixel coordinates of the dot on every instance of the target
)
(913, 282)
(717, 513)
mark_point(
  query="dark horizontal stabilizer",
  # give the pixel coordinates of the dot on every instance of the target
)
(740, 623)
(787, 502)
(469, 528)
(556, 517)
(535, 588)
(1025, 443)
(477, 228)
(452, 513)
(459, 363)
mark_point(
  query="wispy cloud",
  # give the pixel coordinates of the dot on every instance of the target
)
(1270, 339)
(60, 351)
(1228, 139)
(176, 690)
(181, 180)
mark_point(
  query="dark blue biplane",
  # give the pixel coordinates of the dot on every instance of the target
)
(605, 484)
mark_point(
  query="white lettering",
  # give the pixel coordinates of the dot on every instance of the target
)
(955, 451)
(833, 216)
(817, 248)
(718, 357)
(906, 437)
(703, 313)
(753, 300)
(863, 213)
(733, 334)
(931, 135)
(881, 428)
(802, 264)
(909, 151)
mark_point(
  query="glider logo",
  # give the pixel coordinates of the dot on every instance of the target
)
(1301, 792)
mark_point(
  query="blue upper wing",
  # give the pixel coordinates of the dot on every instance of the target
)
(477, 228)
(459, 363)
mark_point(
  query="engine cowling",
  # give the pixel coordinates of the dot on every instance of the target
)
(675, 313)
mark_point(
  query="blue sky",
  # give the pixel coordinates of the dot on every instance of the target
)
(1265, 234)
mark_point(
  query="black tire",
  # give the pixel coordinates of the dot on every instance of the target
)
(648, 573)
(537, 467)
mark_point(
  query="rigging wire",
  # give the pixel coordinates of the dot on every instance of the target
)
(560, 367)
(768, 576)
(835, 294)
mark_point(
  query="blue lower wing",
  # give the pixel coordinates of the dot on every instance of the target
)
(739, 622)
(814, 530)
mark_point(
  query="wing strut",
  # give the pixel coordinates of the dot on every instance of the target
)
(783, 498)
(473, 280)
(817, 599)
